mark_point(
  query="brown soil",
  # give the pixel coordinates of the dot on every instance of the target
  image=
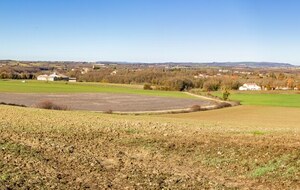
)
(42, 149)
(104, 101)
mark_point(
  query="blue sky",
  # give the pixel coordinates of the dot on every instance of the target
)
(151, 30)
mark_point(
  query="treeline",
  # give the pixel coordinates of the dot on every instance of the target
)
(181, 80)
(18, 72)
(15, 75)
(160, 78)
(166, 79)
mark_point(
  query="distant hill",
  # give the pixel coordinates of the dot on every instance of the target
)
(186, 64)
(213, 64)
(248, 64)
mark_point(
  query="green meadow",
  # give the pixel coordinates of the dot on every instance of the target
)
(284, 99)
(32, 86)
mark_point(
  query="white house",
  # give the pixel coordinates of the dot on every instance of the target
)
(53, 77)
(250, 86)
(42, 77)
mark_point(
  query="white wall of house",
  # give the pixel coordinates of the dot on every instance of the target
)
(42, 77)
(51, 78)
(250, 86)
(55, 77)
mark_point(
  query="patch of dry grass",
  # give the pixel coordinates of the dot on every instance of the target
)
(185, 151)
(247, 117)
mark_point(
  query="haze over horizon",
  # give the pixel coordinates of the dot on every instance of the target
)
(151, 31)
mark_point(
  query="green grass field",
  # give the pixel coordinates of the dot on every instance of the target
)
(16, 86)
(265, 99)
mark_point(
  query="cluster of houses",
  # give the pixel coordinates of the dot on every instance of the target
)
(55, 77)
(253, 86)
(205, 76)
(250, 86)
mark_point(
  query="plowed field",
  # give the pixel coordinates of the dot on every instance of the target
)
(42, 149)
(104, 101)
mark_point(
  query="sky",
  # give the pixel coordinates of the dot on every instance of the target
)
(151, 30)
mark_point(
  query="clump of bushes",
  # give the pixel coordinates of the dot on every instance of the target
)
(147, 87)
(212, 85)
(195, 108)
(223, 105)
(46, 104)
(179, 84)
(226, 95)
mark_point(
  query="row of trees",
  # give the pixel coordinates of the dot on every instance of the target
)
(5, 75)
(177, 79)
(18, 72)
(181, 80)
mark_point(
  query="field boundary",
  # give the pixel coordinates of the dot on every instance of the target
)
(173, 111)
(212, 99)
(177, 111)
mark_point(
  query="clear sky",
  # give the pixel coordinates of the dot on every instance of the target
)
(151, 30)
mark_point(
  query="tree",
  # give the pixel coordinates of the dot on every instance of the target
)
(212, 85)
(226, 94)
(281, 76)
(290, 83)
(3, 75)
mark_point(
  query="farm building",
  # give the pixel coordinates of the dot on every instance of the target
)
(250, 86)
(42, 77)
(57, 77)
(54, 77)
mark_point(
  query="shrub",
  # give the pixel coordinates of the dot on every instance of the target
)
(147, 87)
(226, 95)
(195, 108)
(179, 84)
(212, 85)
(46, 104)
(223, 105)
(235, 85)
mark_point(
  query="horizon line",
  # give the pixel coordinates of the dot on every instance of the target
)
(158, 62)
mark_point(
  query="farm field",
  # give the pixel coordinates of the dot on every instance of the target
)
(104, 101)
(285, 99)
(261, 119)
(241, 147)
(96, 96)
(32, 86)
